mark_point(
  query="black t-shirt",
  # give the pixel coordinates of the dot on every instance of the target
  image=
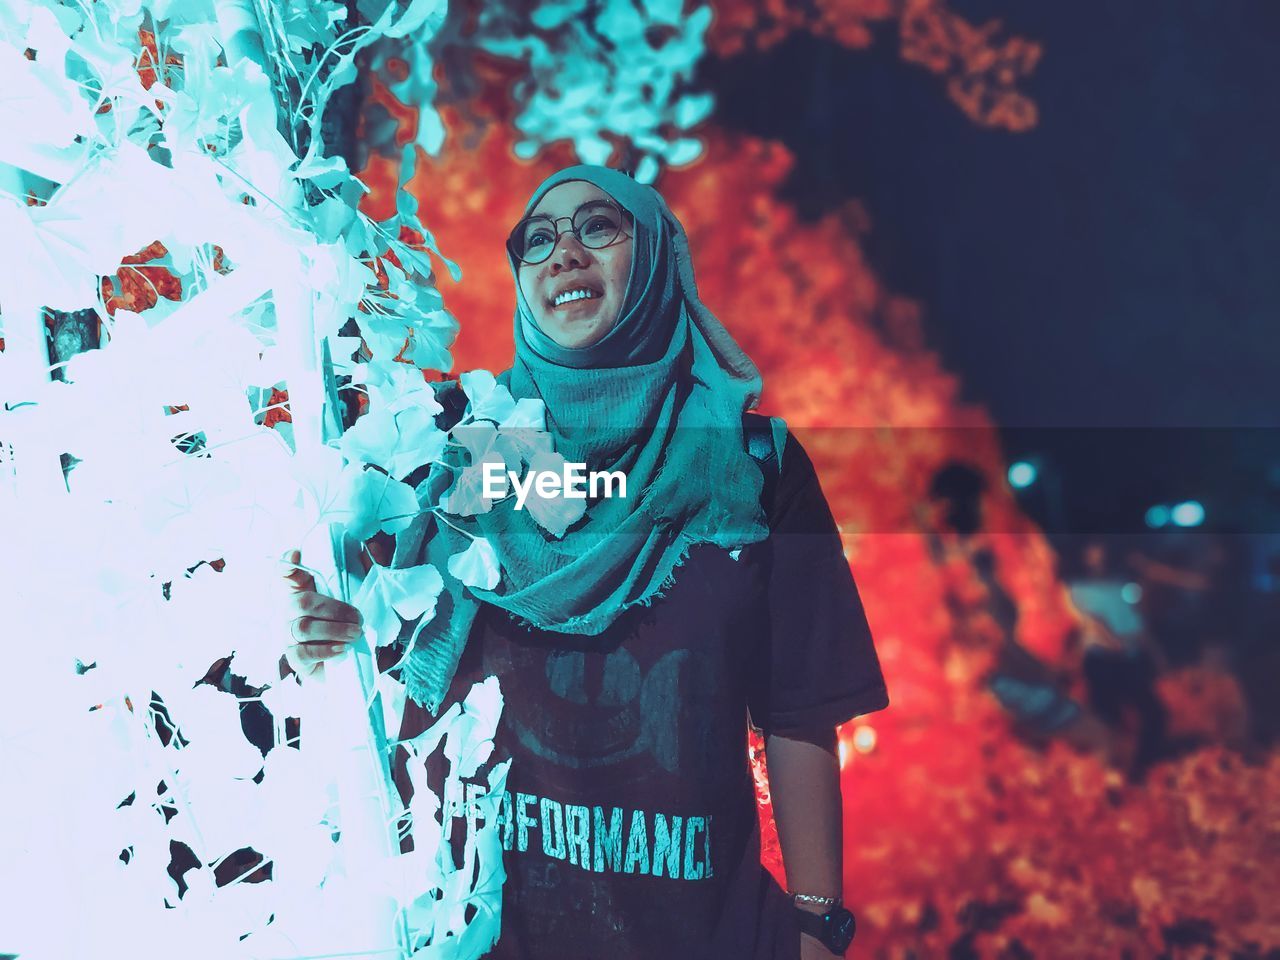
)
(629, 820)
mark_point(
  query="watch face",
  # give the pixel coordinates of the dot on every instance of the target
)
(840, 931)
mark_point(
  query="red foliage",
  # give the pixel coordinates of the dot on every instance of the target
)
(1205, 702)
(148, 62)
(138, 288)
(981, 71)
(277, 408)
(220, 264)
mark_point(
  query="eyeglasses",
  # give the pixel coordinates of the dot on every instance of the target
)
(595, 224)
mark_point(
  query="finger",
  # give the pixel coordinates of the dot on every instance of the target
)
(314, 630)
(301, 657)
(301, 662)
(312, 653)
(300, 578)
(326, 608)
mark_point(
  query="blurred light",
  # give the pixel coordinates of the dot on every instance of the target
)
(864, 739)
(1157, 516)
(1187, 514)
(1021, 474)
(1131, 593)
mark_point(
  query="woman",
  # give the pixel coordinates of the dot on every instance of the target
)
(631, 650)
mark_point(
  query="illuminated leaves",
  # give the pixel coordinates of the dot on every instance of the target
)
(40, 86)
(389, 595)
(555, 513)
(592, 76)
(466, 497)
(523, 434)
(164, 190)
(489, 401)
(399, 442)
(373, 501)
(500, 434)
(467, 731)
(311, 22)
(477, 566)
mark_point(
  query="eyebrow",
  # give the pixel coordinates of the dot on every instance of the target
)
(595, 202)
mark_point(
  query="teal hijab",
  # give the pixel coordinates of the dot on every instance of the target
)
(660, 397)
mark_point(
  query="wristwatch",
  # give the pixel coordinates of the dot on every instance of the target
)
(833, 929)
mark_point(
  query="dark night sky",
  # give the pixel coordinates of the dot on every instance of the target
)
(1116, 265)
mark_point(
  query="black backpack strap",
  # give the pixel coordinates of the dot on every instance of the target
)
(765, 438)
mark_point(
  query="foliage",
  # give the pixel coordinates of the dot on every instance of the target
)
(981, 69)
(615, 79)
(179, 189)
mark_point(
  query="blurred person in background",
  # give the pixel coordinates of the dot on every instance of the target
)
(1032, 691)
(1119, 666)
(1195, 607)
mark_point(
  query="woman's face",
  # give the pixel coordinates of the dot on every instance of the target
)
(603, 272)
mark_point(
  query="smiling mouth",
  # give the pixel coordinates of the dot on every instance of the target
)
(583, 295)
(574, 305)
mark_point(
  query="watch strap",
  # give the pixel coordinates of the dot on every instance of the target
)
(825, 902)
(833, 929)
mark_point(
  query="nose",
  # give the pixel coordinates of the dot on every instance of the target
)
(568, 253)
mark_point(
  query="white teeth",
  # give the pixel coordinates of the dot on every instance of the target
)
(569, 295)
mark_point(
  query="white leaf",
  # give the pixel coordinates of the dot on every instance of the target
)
(555, 513)
(470, 739)
(418, 440)
(466, 497)
(374, 501)
(391, 694)
(389, 594)
(210, 720)
(520, 446)
(224, 807)
(476, 566)
(371, 439)
(523, 434)
(489, 400)
(529, 414)
(478, 438)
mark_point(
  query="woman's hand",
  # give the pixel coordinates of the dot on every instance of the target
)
(321, 627)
